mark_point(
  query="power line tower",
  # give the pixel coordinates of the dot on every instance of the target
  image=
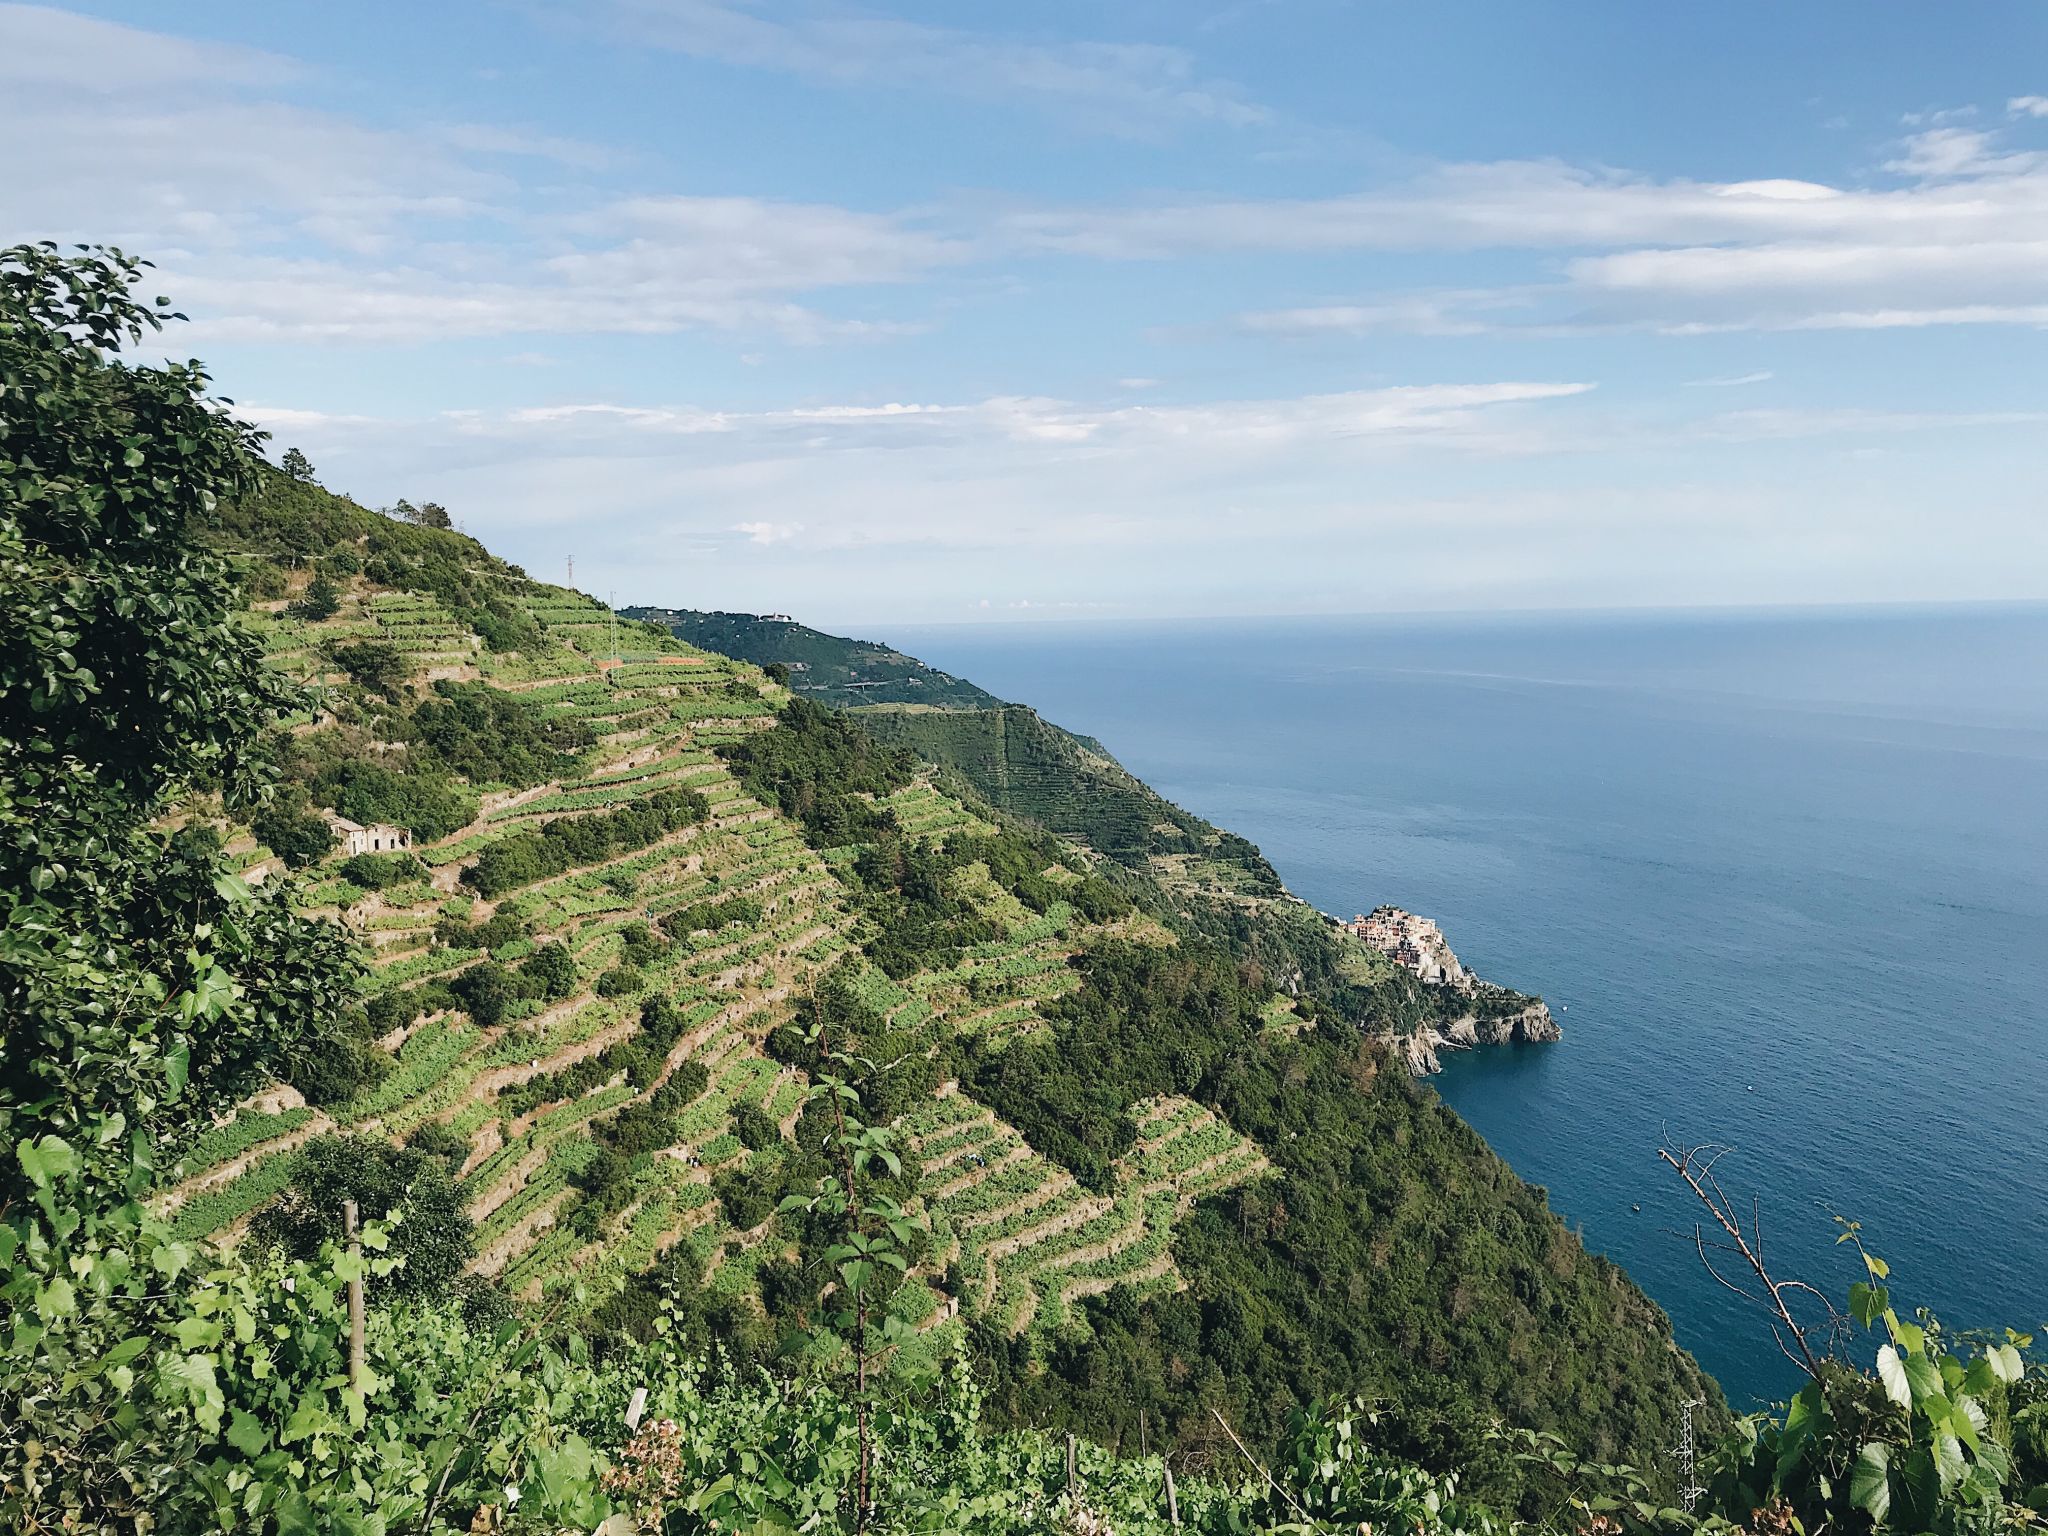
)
(571, 582)
(1689, 1490)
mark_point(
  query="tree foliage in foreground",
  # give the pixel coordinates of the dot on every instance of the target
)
(143, 985)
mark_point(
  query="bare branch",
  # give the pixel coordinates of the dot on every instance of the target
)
(1695, 1165)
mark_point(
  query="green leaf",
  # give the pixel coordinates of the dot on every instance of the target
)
(1867, 1303)
(246, 1435)
(1891, 1370)
(1870, 1486)
(194, 1374)
(1925, 1377)
(2005, 1363)
(197, 1332)
(1948, 1459)
(56, 1301)
(178, 1067)
(45, 1159)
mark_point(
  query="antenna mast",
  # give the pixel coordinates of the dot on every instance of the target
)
(1689, 1490)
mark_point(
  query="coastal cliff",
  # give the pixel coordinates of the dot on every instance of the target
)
(1530, 1025)
(1494, 1015)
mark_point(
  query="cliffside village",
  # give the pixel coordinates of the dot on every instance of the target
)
(1414, 943)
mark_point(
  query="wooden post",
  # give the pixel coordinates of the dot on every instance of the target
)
(1172, 1502)
(1070, 1465)
(355, 1296)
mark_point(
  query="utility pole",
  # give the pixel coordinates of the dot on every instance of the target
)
(355, 1296)
(571, 582)
(610, 600)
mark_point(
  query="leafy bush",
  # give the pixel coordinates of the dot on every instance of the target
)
(428, 805)
(491, 736)
(710, 916)
(373, 664)
(438, 1140)
(292, 832)
(755, 1128)
(487, 989)
(620, 981)
(320, 600)
(552, 968)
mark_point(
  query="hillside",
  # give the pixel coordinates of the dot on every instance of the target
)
(633, 880)
(827, 668)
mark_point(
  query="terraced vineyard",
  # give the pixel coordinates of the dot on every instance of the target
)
(1023, 1241)
(1029, 1241)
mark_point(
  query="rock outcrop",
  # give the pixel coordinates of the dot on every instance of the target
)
(1527, 1025)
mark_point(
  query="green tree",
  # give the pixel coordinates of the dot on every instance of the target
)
(320, 600)
(135, 970)
(296, 464)
(408, 1188)
(553, 968)
(376, 664)
(291, 831)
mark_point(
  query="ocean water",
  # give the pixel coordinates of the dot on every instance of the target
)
(1783, 880)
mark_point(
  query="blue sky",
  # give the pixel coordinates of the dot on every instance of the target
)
(931, 312)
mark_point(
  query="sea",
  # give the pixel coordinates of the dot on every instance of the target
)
(1781, 876)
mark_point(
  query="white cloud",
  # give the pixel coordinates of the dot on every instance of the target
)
(44, 47)
(272, 221)
(1394, 417)
(1963, 243)
(1118, 87)
(2027, 106)
(769, 533)
(1732, 381)
(1940, 153)
(1743, 426)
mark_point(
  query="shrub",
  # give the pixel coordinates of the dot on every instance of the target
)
(292, 832)
(755, 1128)
(491, 736)
(428, 805)
(487, 990)
(320, 600)
(373, 664)
(568, 842)
(553, 969)
(437, 1139)
(748, 1199)
(621, 980)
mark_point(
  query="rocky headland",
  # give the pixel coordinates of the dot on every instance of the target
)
(1494, 1015)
